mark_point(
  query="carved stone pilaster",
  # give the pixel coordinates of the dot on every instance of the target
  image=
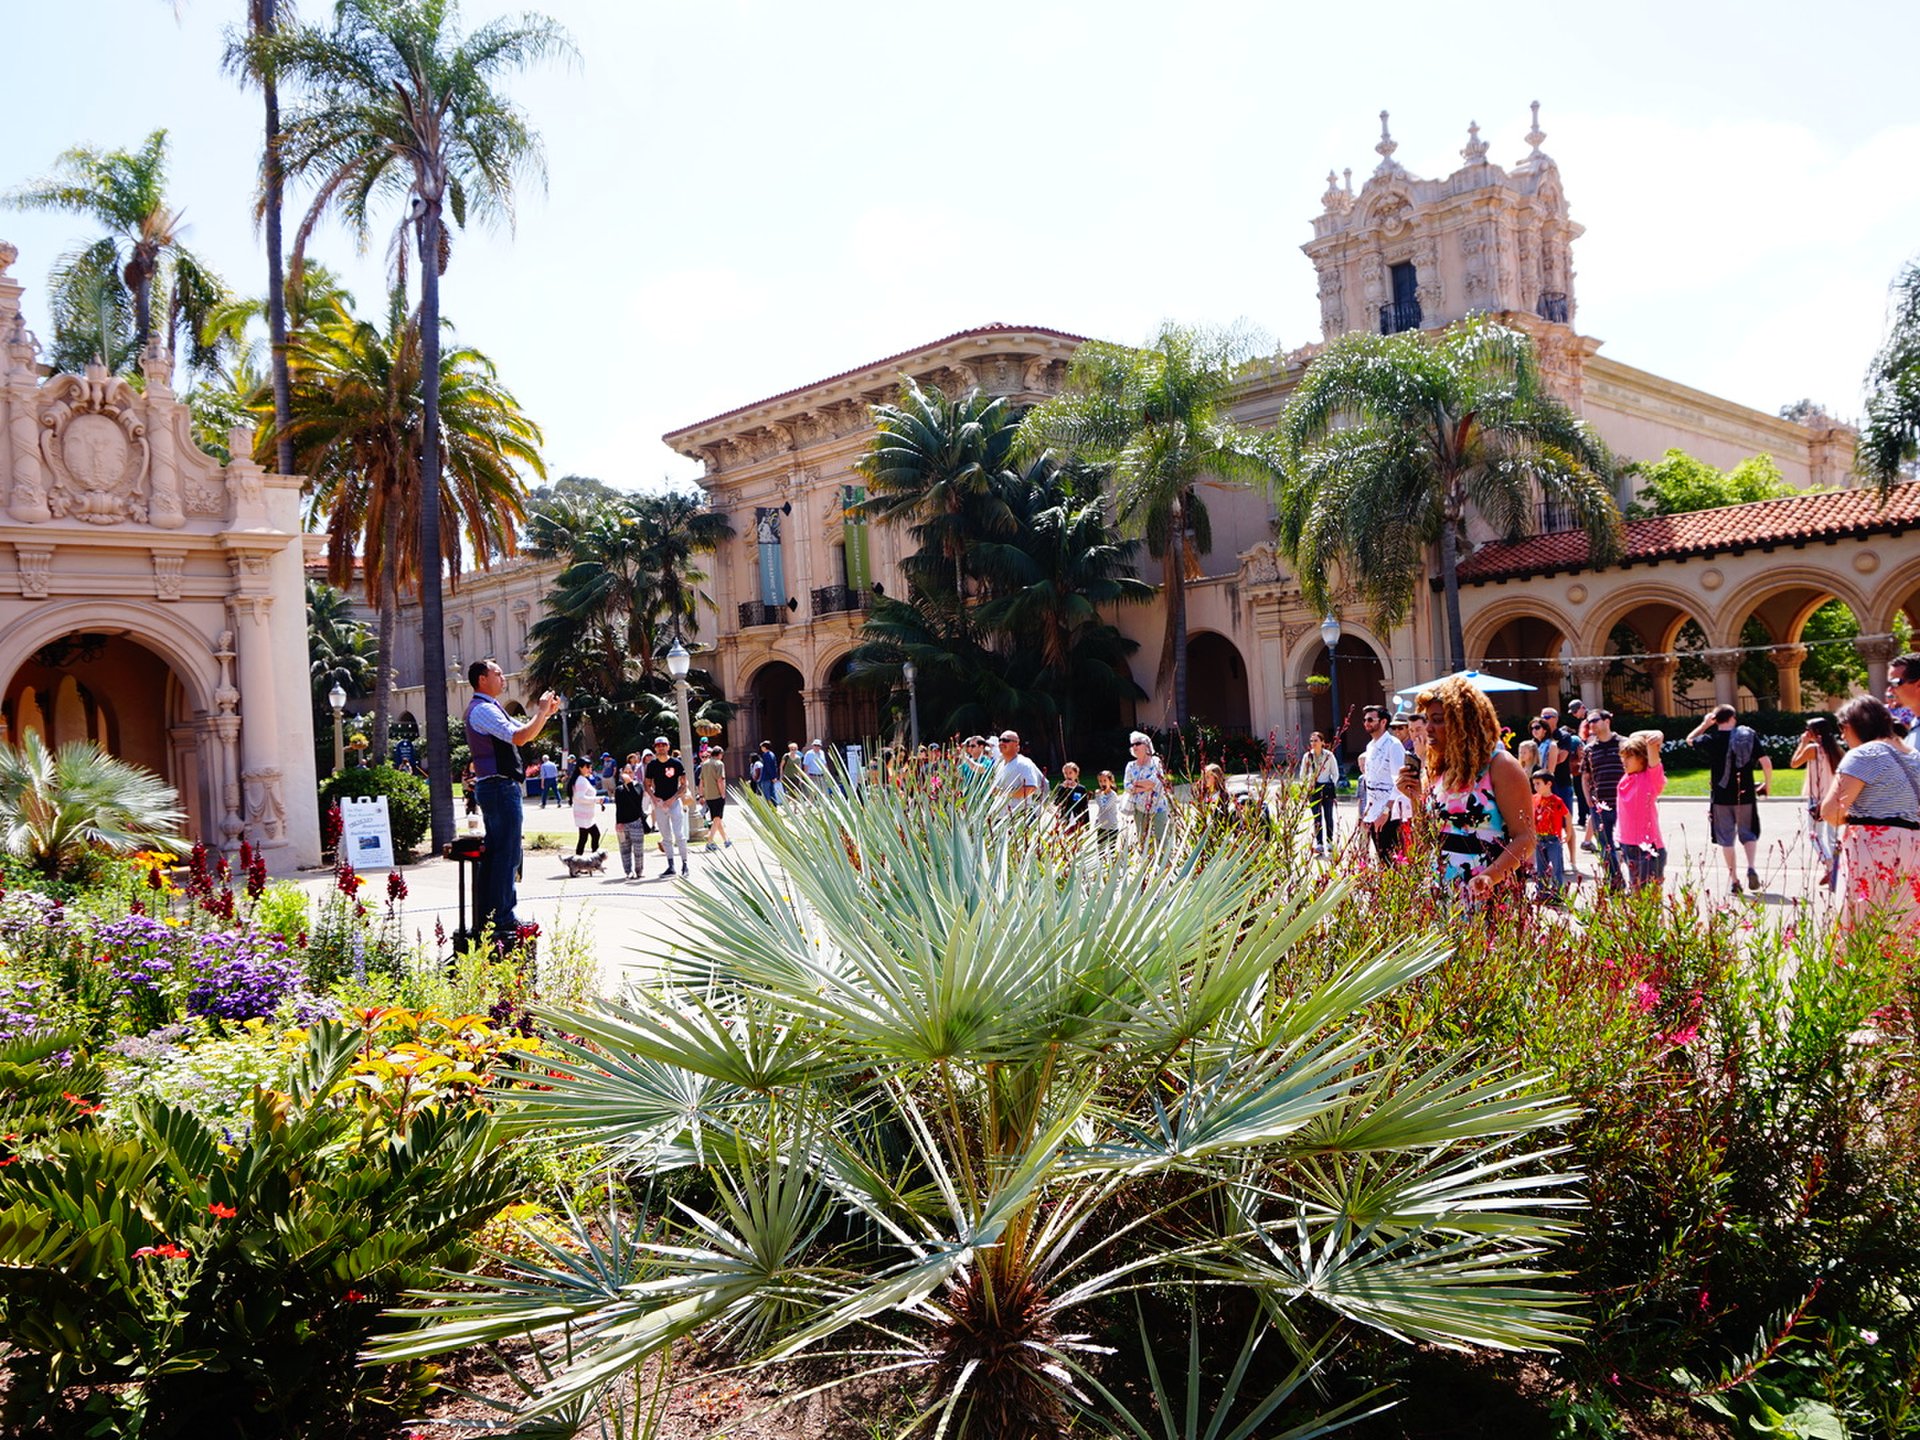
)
(36, 566)
(1660, 669)
(1879, 652)
(266, 801)
(1725, 665)
(226, 726)
(1590, 674)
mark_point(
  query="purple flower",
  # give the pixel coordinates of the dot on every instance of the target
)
(241, 975)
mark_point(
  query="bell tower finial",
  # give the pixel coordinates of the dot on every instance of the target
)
(1536, 134)
(1475, 150)
(1388, 165)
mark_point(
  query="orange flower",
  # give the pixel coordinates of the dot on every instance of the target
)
(221, 1212)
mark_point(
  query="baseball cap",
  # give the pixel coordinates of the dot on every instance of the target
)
(661, 740)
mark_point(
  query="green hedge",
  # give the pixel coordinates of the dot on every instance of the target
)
(407, 805)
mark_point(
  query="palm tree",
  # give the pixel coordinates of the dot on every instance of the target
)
(630, 582)
(171, 287)
(954, 1099)
(1890, 438)
(939, 463)
(340, 649)
(359, 414)
(1155, 421)
(395, 102)
(250, 57)
(57, 808)
(1390, 437)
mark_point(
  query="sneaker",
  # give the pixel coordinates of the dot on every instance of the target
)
(729, 844)
(1736, 885)
(711, 846)
(1589, 847)
(668, 873)
(1753, 879)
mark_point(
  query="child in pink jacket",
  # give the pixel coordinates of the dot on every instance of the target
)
(1637, 822)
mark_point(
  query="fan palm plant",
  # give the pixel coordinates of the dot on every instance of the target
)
(1154, 420)
(394, 102)
(359, 410)
(940, 463)
(58, 808)
(958, 1098)
(170, 288)
(1390, 438)
(340, 651)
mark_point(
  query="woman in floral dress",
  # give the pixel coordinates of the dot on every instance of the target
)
(1476, 794)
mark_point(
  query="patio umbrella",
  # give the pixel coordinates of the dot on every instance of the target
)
(1479, 679)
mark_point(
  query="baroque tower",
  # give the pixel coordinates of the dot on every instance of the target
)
(1409, 254)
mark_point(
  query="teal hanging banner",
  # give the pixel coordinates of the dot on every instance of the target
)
(854, 529)
(773, 573)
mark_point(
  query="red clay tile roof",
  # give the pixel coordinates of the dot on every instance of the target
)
(994, 329)
(1763, 524)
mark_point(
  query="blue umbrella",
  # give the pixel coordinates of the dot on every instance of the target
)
(1480, 680)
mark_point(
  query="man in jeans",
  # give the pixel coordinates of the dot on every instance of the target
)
(666, 783)
(494, 741)
(1604, 769)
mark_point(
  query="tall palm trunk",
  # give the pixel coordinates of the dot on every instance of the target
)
(389, 614)
(1177, 608)
(432, 623)
(1450, 579)
(139, 278)
(264, 19)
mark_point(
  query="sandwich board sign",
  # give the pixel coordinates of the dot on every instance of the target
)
(366, 834)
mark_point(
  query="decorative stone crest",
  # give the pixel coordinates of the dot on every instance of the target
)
(96, 445)
(168, 566)
(266, 822)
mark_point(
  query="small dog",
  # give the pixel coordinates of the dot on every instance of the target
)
(578, 865)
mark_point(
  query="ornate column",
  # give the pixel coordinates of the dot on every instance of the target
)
(1725, 665)
(21, 446)
(226, 729)
(816, 706)
(262, 782)
(1787, 659)
(164, 511)
(1879, 652)
(1590, 674)
(1660, 670)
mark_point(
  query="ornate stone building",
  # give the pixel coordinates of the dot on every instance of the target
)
(1398, 252)
(150, 598)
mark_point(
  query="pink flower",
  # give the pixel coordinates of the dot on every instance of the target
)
(1686, 1035)
(1645, 997)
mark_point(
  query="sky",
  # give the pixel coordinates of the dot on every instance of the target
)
(744, 197)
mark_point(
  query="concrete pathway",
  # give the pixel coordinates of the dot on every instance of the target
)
(636, 924)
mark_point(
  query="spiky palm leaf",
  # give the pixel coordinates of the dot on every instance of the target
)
(1022, 1085)
(58, 806)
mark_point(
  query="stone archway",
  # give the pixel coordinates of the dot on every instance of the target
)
(126, 696)
(1217, 691)
(776, 696)
(1362, 680)
(853, 711)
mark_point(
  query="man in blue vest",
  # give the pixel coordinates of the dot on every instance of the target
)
(494, 741)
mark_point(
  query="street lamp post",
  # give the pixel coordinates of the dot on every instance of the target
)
(678, 663)
(1330, 633)
(910, 673)
(566, 739)
(337, 698)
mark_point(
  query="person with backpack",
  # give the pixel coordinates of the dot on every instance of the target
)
(1732, 750)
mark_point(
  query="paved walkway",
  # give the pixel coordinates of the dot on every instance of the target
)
(635, 924)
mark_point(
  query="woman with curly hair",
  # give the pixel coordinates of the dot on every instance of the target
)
(1474, 791)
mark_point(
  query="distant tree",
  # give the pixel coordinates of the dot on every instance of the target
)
(1833, 666)
(570, 487)
(1805, 411)
(1677, 483)
(167, 288)
(1890, 438)
(1390, 438)
(1154, 422)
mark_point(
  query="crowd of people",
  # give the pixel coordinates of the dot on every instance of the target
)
(1497, 812)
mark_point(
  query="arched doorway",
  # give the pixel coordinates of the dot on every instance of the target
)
(1361, 680)
(128, 699)
(1217, 684)
(853, 710)
(778, 706)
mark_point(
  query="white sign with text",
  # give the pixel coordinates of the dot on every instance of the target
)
(366, 835)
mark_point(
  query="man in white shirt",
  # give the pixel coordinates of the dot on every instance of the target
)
(1016, 777)
(1380, 766)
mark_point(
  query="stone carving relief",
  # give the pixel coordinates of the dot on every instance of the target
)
(1428, 289)
(167, 568)
(96, 446)
(1044, 375)
(1333, 303)
(35, 567)
(1392, 214)
(266, 798)
(1476, 245)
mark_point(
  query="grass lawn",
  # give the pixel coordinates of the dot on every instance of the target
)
(1694, 782)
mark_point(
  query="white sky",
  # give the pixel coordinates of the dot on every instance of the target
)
(749, 196)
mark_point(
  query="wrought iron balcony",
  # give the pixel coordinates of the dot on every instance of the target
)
(1552, 306)
(1398, 315)
(752, 612)
(839, 599)
(1552, 515)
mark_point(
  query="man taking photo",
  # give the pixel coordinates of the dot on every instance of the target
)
(1732, 750)
(495, 741)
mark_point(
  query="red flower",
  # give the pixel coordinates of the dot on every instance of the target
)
(154, 882)
(354, 1297)
(221, 1212)
(166, 1251)
(396, 886)
(83, 1105)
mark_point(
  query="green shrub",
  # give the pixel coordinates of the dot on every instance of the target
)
(407, 808)
(160, 1282)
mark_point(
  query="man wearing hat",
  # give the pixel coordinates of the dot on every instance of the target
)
(1145, 782)
(666, 776)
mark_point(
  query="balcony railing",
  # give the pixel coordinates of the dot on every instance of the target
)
(752, 612)
(1552, 306)
(1398, 315)
(1552, 515)
(839, 599)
